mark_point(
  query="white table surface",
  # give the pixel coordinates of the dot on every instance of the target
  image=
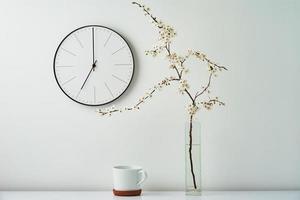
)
(87, 195)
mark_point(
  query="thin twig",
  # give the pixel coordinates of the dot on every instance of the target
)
(207, 86)
(148, 13)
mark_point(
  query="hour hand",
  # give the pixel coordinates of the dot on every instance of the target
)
(92, 69)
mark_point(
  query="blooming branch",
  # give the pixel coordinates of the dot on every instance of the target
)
(165, 82)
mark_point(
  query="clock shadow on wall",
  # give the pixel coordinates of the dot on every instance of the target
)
(94, 65)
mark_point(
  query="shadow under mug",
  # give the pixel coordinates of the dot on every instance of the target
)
(128, 180)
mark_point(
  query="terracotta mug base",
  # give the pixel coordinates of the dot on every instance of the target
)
(127, 193)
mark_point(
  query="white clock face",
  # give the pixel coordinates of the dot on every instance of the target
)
(93, 65)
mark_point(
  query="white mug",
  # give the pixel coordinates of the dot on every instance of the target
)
(128, 178)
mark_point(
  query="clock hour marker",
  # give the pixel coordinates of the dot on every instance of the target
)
(77, 39)
(68, 80)
(64, 66)
(71, 53)
(122, 64)
(119, 78)
(78, 94)
(109, 90)
(107, 39)
(94, 94)
(118, 50)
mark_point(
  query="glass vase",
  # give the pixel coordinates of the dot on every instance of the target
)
(192, 158)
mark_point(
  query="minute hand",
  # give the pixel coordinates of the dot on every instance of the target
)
(93, 67)
(93, 40)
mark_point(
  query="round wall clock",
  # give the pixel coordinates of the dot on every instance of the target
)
(93, 65)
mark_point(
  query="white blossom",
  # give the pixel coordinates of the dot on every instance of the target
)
(192, 109)
(183, 85)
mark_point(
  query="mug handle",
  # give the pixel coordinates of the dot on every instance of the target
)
(144, 176)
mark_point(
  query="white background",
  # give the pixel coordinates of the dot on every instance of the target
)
(49, 142)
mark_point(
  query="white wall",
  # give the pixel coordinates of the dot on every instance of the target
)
(49, 142)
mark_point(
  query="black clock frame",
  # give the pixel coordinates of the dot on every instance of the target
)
(62, 43)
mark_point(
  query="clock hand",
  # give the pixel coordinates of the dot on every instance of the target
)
(92, 69)
(93, 39)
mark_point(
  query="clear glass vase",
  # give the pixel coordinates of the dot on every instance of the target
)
(192, 158)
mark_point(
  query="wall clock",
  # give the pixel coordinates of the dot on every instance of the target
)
(93, 65)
